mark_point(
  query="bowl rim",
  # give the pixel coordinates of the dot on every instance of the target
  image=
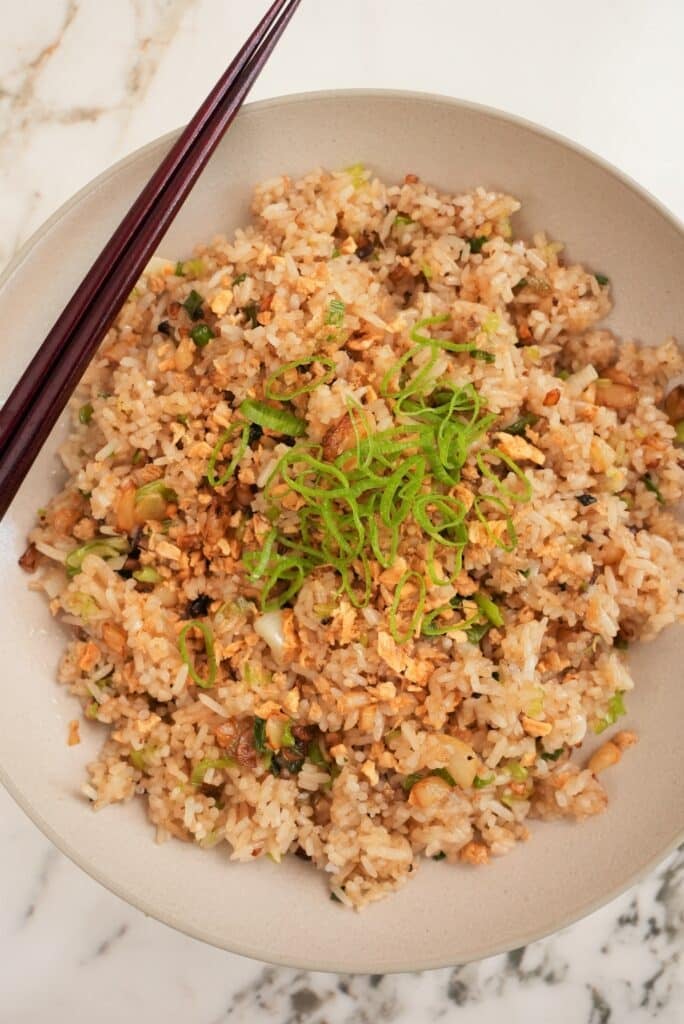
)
(63, 844)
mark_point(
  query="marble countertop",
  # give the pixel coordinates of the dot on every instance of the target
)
(82, 83)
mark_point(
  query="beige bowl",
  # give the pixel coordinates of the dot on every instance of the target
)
(446, 915)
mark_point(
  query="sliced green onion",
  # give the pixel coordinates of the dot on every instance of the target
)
(403, 637)
(279, 420)
(478, 631)
(251, 313)
(239, 279)
(519, 426)
(409, 782)
(479, 782)
(297, 364)
(482, 355)
(260, 736)
(650, 485)
(357, 173)
(335, 314)
(616, 708)
(202, 767)
(553, 755)
(402, 219)
(147, 574)
(602, 279)
(202, 335)
(208, 638)
(156, 487)
(85, 414)
(315, 754)
(443, 773)
(517, 771)
(679, 432)
(137, 759)
(103, 547)
(515, 496)
(489, 609)
(193, 305)
(240, 448)
(477, 243)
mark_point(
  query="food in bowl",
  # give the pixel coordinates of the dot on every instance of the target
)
(362, 510)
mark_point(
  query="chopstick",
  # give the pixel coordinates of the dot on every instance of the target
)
(46, 385)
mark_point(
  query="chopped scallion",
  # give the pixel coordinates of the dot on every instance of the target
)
(279, 420)
(208, 638)
(335, 314)
(477, 243)
(202, 335)
(650, 485)
(193, 305)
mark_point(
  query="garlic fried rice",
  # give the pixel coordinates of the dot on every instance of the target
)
(362, 510)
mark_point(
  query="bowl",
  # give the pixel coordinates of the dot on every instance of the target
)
(282, 914)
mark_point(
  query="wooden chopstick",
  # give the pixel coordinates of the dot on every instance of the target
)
(43, 390)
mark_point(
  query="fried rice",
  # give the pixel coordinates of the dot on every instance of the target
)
(421, 690)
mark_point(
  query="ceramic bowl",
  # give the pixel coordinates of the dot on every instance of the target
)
(446, 915)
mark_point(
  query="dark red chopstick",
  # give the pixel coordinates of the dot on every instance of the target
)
(36, 402)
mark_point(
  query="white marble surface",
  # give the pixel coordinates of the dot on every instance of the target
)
(84, 82)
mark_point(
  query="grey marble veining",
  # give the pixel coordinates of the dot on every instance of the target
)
(81, 84)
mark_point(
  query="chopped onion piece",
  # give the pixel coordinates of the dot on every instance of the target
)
(269, 627)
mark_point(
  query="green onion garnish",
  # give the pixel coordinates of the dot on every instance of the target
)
(477, 243)
(616, 708)
(202, 335)
(552, 755)
(479, 782)
(315, 754)
(409, 782)
(85, 414)
(335, 314)
(443, 773)
(650, 485)
(519, 426)
(239, 279)
(489, 609)
(602, 279)
(483, 356)
(299, 364)
(103, 547)
(193, 305)
(417, 603)
(147, 575)
(202, 767)
(156, 487)
(357, 173)
(137, 759)
(240, 449)
(251, 314)
(517, 771)
(208, 638)
(478, 631)
(679, 432)
(279, 420)
(260, 735)
(402, 219)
